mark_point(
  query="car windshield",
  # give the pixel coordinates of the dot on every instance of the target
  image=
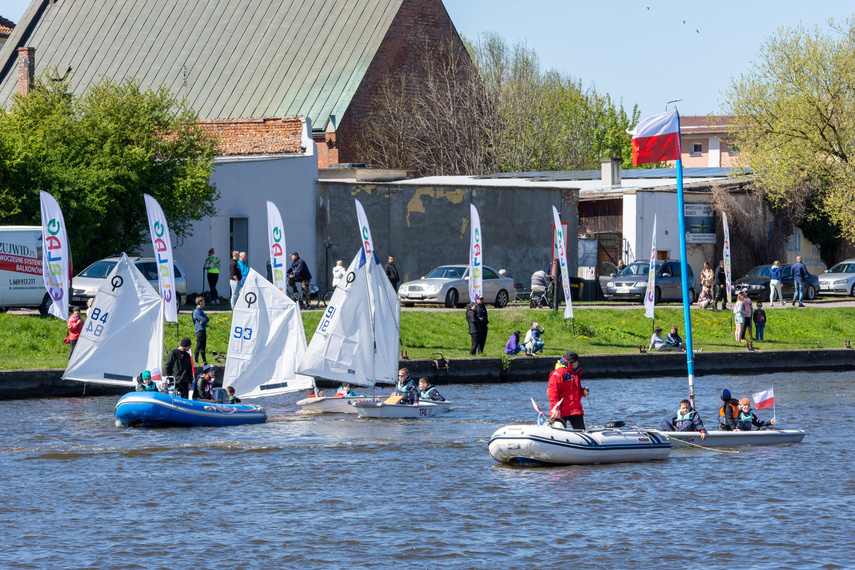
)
(98, 270)
(446, 273)
(843, 268)
(635, 269)
(761, 271)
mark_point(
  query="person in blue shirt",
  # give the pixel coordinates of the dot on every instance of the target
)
(200, 319)
(406, 388)
(429, 392)
(775, 283)
(799, 275)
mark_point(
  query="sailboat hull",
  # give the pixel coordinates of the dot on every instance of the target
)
(156, 409)
(533, 445)
(383, 410)
(324, 404)
(734, 438)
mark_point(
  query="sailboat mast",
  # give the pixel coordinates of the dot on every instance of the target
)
(684, 270)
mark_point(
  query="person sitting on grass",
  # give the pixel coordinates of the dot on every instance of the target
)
(747, 418)
(687, 419)
(533, 341)
(674, 341)
(657, 344)
(705, 299)
(232, 398)
(513, 346)
(429, 392)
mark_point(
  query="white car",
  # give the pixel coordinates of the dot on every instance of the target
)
(87, 282)
(449, 285)
(839, 280)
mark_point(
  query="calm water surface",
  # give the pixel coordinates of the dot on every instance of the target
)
(338, 491)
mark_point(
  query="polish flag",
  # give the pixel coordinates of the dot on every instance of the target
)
(657, 138)
(765, 399)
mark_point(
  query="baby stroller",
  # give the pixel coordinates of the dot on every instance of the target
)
(539, 290)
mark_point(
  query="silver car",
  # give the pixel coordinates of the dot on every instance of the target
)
(839, 280)
(449, 285)
(631, 284)
(87, 282)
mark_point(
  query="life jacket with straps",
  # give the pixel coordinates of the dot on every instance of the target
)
(404, 387)
(733, 413)
(426, 393)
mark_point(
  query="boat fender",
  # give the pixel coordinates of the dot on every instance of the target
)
(616, 424)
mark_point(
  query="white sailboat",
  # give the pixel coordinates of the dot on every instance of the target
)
(266, 343)
(124, 331)
(356, 341)
(123, 336)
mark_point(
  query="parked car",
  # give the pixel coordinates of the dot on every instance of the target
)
(21, 283)
(839, 280)
(87, 282)
(756, 283)
(631, 284)
(449, 285)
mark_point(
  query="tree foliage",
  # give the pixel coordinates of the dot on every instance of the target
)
(502, 114)
(795, 123)
(98, 154)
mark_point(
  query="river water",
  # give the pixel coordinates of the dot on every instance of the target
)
(338, 491)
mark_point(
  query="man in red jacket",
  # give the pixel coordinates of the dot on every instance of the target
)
(565, 386)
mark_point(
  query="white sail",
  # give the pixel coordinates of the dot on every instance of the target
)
(357, 339)
(266, 342)
(123, 335)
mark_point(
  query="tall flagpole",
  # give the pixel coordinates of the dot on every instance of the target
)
(684, 270)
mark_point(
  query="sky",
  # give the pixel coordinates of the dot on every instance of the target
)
(643, 52)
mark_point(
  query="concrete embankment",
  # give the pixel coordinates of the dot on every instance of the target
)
(18, 384)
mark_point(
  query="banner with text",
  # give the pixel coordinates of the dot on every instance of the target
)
(55, 256)
(162, 244)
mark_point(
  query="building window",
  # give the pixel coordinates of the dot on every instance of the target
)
(732, 149)
(697, 148)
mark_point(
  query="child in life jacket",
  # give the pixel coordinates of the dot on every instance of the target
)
(728, 412)
(747, 418)
(345, 391)
(428, 391)
(686, 419)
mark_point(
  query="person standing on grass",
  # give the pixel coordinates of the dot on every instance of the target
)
(759, 318)
(749, 311)
(775, 283)
(234, 277)
(212, 272)
(200, 320)
(720, 283)
(739, 317)
(472, 321)
(483, 321)
(75, 327)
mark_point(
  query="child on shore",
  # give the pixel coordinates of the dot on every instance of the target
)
(759, 318)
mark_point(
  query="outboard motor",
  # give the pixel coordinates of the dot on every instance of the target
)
(220, 396)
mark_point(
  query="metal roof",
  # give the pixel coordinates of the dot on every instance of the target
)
(243, 58)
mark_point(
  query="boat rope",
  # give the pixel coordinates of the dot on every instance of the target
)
(688, 443)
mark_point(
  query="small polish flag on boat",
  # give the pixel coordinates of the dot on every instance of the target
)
(656, 138)
(765, 399)
(155, 375)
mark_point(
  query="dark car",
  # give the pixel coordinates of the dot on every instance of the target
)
(756, 283)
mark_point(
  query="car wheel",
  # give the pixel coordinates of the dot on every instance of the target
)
(691, 296)
(852, 292)
(44, 306)
(657, 296)
(810, 293)
(502, 299)
(409, 304)
(451, 298)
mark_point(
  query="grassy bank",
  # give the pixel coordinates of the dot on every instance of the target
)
(30, 341)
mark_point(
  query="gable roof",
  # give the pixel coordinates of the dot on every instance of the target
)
(246, 58)
(706, 124)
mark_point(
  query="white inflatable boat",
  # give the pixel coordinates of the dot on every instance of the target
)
(548, 445)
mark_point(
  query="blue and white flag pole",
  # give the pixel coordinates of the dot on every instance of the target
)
(684, 270)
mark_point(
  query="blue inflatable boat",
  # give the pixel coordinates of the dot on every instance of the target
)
(158, 409)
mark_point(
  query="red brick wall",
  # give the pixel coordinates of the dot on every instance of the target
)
(327, 149)
(250, 136)
(26, 69)
(419, 23)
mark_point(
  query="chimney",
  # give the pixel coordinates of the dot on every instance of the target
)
(26, 69)
(610, 171)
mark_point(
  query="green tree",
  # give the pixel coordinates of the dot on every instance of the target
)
(795, 123)
(98, 154)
